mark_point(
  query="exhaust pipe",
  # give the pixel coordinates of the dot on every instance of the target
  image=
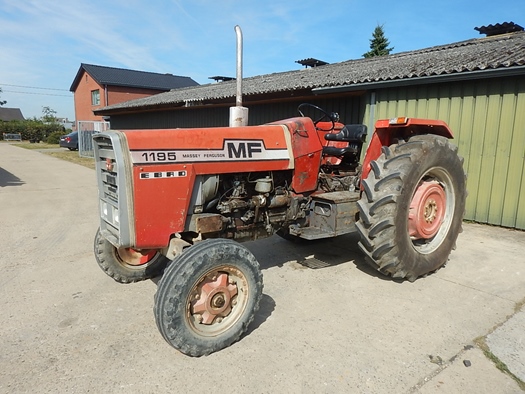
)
(239, 114)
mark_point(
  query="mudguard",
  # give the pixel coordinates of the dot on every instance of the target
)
(388, 131)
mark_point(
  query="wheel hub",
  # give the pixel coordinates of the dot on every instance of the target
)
(427, 210)
(214, 298)
(135, 257)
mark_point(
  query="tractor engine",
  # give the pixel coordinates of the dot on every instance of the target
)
(251, 205)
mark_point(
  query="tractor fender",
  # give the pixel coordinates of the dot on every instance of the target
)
(389, 131)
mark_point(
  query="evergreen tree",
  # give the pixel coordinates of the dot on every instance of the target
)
(378, 44)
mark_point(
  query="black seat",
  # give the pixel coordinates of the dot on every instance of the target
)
(349, 133)
(334, 151)
(354, 134)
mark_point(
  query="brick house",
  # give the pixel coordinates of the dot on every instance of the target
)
(95, 87)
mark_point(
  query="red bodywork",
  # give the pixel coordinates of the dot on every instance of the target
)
(161, 203)
(166, 162)
(388, 132)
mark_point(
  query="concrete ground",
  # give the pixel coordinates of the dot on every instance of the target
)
(340, 328)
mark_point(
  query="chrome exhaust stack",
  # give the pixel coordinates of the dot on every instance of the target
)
(239, 114)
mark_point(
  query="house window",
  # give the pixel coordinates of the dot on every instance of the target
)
(95, 97)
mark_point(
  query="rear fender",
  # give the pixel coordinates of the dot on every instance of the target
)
(389, 131)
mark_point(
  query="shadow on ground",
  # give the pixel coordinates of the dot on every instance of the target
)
(9, 179)
(315, 254)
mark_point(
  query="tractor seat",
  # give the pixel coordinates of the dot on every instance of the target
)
(349, 133)
(354, 134)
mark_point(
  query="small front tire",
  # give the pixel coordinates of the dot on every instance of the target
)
(208, 297)
(126, 265)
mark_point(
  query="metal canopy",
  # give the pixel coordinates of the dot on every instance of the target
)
(499, 28)
(311, 62)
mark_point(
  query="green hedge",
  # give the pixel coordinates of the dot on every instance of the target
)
(54, 137)
(31, 129)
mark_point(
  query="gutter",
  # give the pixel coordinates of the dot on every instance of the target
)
(460, 76)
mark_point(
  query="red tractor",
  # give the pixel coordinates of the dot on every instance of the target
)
(174, 202)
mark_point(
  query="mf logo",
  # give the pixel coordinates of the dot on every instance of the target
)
(243, 150)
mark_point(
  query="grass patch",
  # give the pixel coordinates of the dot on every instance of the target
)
(519, 305)
(482, 344)
(73, 157)
(38, 145)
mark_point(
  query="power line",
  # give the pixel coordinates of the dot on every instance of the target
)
(39, 94)
(32, 87)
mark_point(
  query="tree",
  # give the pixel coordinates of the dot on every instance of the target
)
(48, 115)
(2, 102)
(378, 44)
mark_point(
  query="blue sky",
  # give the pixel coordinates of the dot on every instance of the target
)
(43, 42)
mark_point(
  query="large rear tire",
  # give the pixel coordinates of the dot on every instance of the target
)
(208, 296)
(412, 207)
(127, 265)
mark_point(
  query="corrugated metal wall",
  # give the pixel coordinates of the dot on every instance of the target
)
(180, 118)
(488, 121)
(350, 108)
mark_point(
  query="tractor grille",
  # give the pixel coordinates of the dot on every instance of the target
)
(108, 189)
(107, 170)
(115, 188)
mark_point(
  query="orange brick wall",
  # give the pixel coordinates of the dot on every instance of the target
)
(118, 94)
(115, 94)
(83, 107)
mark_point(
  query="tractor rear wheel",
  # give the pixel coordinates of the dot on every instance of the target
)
(127, 265)
(412, 207)
(208, 296)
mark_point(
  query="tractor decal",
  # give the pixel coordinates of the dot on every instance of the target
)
(162, 174)
(234, 150)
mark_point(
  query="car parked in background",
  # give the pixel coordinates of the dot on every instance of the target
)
(69, 141)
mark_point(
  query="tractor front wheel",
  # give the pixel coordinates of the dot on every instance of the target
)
(127, 265)
(412, 207)
(208, 296)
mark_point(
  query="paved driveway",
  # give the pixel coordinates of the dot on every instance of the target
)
(67, 327)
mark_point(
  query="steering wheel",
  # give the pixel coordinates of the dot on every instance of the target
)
(325, 115)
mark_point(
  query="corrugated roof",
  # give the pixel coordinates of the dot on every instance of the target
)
(484, 54)
(499, 28)
(112, 76)
(8, 114)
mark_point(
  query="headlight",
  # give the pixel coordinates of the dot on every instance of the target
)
(109, 213)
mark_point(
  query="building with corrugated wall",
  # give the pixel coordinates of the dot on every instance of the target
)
(476, 86)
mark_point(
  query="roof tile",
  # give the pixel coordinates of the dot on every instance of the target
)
(504, 51)
(131, 78)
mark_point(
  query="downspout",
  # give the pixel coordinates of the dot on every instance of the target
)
(372, 113)
(106, 94)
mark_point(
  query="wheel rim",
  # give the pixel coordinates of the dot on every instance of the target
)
(135, 258)
(431, 210)
(217, 301)
(427, 210)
